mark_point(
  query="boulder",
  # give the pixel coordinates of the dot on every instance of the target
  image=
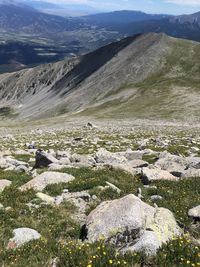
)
(47, 178)
(15, 162)
(82, 160)
(194, 213)
(120, 221)
(106, 157)
(131, 224)
(149, 175)
(4, 183)
(177, 165)
(171, 163)
(22, 236)
(42, 159)
(57, 167)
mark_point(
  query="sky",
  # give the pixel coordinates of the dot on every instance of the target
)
(150, 6)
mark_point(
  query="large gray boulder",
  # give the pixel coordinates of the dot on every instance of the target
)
(47, 178)
(129, 223)
(22, 236)
(149, 175)
(120, 220)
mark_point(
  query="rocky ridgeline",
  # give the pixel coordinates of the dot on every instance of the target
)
(128, 222)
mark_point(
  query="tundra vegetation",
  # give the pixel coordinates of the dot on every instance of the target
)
(89, 154)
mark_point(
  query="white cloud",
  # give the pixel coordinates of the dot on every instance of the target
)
(185, 2)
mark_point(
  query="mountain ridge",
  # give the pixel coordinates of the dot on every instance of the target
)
(138, 76)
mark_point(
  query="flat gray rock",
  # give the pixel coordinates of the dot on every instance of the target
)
(47, 178)
(149, 175)
(22, 236)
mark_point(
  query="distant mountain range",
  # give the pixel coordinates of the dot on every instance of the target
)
(24, 19)
(134, 22)
(15, 17)
(124, 17)
(29, 36)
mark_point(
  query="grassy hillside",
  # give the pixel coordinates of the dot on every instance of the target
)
(172, 92)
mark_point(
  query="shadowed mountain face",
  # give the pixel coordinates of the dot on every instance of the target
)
(145, 76)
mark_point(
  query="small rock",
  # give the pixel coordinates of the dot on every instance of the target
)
(115, 188)
(194, 213)
(44, 197)
(156, 197)
(4, 184)
(22, 236)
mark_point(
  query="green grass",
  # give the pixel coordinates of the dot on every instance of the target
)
(22, 157)
(178, 197)
(60, 233)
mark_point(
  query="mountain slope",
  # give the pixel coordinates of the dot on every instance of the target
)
(145, 76)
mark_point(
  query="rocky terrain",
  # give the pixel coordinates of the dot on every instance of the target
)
(100, 194)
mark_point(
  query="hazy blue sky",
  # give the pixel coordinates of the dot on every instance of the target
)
(156, 6)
